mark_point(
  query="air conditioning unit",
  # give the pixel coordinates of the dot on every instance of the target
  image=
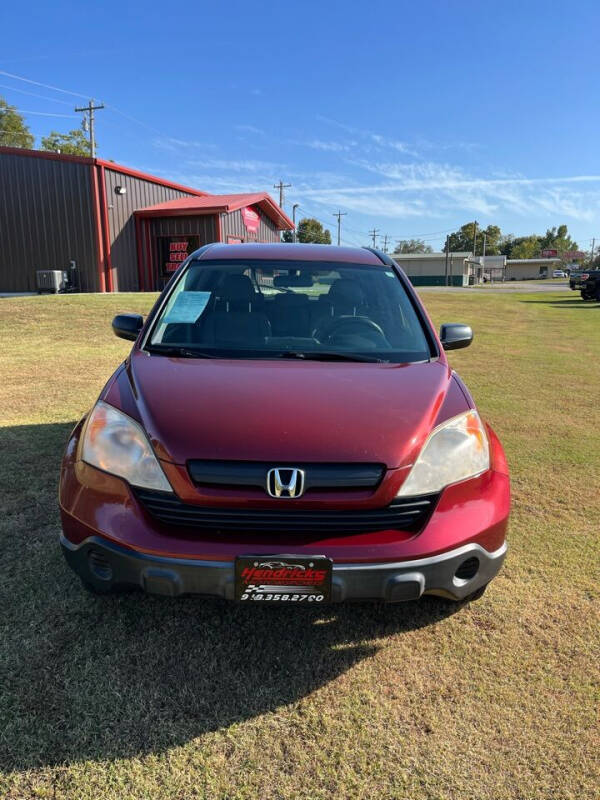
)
(50, 280)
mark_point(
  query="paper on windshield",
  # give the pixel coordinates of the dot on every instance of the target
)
(187, 307)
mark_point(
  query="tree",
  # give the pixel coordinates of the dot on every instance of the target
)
(492, 238)
(73, 143)
(462, 239)
(13, 130)
(558, 239)
(412, 246)
(524, 247)
(309, 231)
(532, 246)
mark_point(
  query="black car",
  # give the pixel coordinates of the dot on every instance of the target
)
(575, 278)
(590, 285)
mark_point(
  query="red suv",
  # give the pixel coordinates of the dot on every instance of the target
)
(286, 428)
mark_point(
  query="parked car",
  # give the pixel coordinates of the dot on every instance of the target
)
(590, 285)
(559, 273)
(575, 279)
(286, 428)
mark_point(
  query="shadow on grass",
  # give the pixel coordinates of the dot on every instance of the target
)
(576, 302)
(86, 677)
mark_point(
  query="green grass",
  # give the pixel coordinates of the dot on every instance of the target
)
(141, 697)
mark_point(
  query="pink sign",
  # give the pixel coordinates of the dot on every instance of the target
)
(573, 254)
(251, 220)
(549, 253)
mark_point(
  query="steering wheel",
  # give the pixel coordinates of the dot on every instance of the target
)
(328, 331)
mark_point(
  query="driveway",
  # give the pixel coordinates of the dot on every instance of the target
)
(509, 286)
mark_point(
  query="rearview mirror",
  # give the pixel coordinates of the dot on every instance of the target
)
(454, 335)
(303, 279)
(127, 326)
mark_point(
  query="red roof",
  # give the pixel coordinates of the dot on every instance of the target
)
(216, 203)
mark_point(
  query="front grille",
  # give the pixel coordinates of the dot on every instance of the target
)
(254, 473)
(404, 514)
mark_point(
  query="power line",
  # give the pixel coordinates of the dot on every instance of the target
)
(43, 113)
(326, 225)
(34, 94)
(74, 94)
(37, 83)
(134, 119)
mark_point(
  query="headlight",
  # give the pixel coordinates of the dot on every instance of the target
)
(115, 443)
(455, 450)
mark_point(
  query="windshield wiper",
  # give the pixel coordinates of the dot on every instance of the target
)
(179, 351)
(330, 355)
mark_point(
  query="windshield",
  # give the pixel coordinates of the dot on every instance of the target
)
(269, 309)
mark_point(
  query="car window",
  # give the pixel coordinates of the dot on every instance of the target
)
(265, 309)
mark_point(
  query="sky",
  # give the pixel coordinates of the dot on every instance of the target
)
(411, 118)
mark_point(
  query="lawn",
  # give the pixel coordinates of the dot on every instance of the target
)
(141, 697)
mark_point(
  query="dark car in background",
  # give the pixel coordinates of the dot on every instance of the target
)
(286, 428)
(575, 278)
(589, 283)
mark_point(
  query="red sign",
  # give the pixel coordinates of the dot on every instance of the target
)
(251, 219)
(573, 254)
(549, 253)
(174, 250)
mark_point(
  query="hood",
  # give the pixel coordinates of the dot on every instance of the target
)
(286, 410)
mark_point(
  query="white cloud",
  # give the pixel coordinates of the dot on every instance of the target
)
(329, 147)
(250, 129)
(235, 165)
(432, 189)
(173, 144)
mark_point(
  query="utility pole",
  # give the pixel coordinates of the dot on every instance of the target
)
(294, 207)
(374, 234)
(281, 186)
(89, 110)
(474, 236)
(339, 216)
(592, 254)
(446, 268)
(385, 241)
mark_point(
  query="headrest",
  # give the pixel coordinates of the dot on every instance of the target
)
(346, 290)
(236, 287)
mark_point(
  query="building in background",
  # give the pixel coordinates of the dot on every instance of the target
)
(429, 269)
(125, 230)
(501, 268)
(523, 269)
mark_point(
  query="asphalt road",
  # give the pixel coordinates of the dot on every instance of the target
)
(509, 286)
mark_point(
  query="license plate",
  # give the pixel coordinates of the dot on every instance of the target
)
(283, 579)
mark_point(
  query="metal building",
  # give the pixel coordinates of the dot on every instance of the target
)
(125, 230)
(433, 269)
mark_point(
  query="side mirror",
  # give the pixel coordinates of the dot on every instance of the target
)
(127, 326)
(453, 336)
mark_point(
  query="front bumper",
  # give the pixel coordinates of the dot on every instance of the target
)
(105, 565)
